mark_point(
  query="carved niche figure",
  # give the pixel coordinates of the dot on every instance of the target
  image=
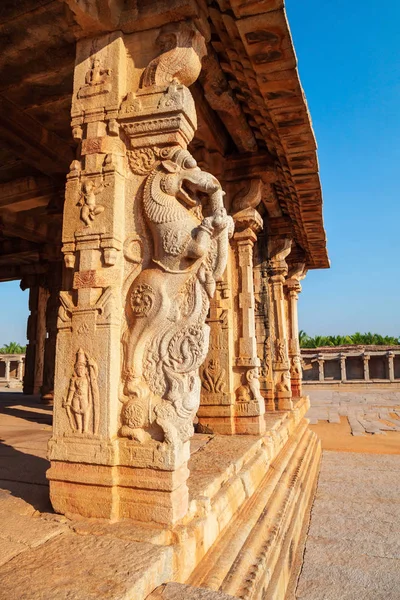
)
(295, 371)
(252, 377)
(284, 384)
(96, 75)
(280, 353)
(214, 377)
(87, 201)
(166, 340)
(82, 402)
(243, 395)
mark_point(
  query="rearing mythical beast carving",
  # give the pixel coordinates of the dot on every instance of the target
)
(167, 338)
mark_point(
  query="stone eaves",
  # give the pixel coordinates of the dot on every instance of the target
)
(253, 42)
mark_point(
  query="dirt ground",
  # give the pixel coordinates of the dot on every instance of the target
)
(339, 438)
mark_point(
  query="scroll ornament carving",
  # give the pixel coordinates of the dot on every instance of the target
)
(82, 402)
(166, 339)
(214, 377)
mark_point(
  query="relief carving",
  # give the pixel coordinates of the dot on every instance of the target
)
(82, 402)
(87, 202)
(214, 377)
(280, 351)
(166, 339)
(97, 81)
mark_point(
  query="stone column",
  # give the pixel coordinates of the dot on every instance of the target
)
(29, 375)
(321, 362)
(216, 413)
(53, 285)
(390, 357)
(293, 288)
(278, 250)
(7, 374)
(263, 322)
(366, 358)
(20, 370)
(144, 262)
(40, 339)
(250, 405)
(343, 367)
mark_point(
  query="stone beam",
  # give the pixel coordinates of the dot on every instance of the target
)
(25, 227)
(215, 128)
(16, 272)
(26, 193)
(32, 142)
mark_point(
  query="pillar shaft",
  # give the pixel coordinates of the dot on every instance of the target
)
(278, 249)
(7, 374)
(249, 405)
(366, 367)
(40, 340)
(293, 288)
(321, 374)
(343, 368)
(390, 357)
(20, 370)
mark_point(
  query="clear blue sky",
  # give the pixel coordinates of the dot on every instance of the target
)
(349, 63)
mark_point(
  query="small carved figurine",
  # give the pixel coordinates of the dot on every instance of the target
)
(87, 201)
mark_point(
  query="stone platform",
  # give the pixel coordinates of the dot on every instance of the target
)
(249, 498)
(372, 411)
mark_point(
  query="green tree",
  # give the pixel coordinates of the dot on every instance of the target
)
(13, 348)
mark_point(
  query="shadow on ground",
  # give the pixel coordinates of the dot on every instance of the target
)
(25, 427)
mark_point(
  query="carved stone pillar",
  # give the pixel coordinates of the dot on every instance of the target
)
(29, 375)
(53, 284)
(343, 373)
(278, 250)
(293, 288)
(390, 357)
(321, 362)
(250, 405)
(7, 373)
(43, 295)
(366, 359)
(263, 322)
(144, 262)
(216, 413)
(20, 370)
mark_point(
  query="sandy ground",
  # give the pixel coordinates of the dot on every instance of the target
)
(338, 438)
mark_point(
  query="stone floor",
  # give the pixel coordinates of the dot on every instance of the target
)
(367, 412)
(352, 552)
(353, 545)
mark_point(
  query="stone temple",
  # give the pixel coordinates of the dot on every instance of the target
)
(160, 198)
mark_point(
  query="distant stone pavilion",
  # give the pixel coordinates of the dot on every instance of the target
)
(160, 199)
(375, 365)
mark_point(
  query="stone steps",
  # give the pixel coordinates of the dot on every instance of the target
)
(255, 556)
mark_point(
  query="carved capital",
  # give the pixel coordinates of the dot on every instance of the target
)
(182, 48)
(278, 249)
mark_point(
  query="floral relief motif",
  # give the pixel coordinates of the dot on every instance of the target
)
(142, 298)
